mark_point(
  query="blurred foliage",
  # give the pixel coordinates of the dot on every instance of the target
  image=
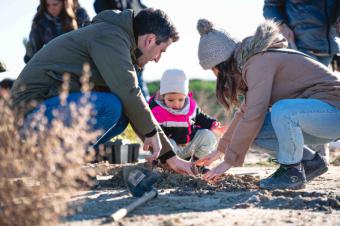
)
(128, 134)
(336, 161)
(194, 86)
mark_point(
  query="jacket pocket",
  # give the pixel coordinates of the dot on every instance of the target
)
(50, 92)
(55, 76)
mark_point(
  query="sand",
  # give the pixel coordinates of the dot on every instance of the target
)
(234, 200)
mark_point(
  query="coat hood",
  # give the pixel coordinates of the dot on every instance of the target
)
(122, 19)
(267, 35)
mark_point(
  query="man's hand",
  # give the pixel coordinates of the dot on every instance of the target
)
(288, 34)
(179, 165)
(156, 145)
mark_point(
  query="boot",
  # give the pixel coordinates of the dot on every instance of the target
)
(315, 167)
(286, 177)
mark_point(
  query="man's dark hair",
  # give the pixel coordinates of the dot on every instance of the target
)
(6, 83)
(155, 21)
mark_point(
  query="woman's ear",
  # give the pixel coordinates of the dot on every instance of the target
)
(215, 70)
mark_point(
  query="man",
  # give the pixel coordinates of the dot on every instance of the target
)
(111, 45)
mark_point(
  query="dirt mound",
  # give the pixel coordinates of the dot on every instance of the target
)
(182, 184)
(227, 182)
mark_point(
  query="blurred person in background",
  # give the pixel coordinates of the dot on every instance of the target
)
(53, 18)
(5, 84)
(312, 27)
(5, 87)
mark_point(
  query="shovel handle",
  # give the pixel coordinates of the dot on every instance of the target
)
(119, 214)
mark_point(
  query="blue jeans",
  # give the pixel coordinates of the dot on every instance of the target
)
(107, 114)
(292, 123)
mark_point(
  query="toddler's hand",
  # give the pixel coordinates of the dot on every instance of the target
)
(217, 128)
(207, 160)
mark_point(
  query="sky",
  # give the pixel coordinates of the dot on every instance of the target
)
(238, 17)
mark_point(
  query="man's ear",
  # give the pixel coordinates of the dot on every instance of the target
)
(150, 39)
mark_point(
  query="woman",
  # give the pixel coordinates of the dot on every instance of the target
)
(289, 100)
(54, 17)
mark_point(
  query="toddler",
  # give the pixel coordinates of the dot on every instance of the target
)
(187, 127)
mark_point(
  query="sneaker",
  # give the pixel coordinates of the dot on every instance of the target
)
(285, 177)
(315, 167)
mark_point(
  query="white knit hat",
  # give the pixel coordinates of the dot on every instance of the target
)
(215, 45)
(174, 81)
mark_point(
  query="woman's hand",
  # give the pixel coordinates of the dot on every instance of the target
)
(207, 160)
(215, 173)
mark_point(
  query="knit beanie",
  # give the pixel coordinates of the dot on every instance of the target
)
(215, 45)
(174, 81)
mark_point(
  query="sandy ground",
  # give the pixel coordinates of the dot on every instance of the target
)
(236, 200)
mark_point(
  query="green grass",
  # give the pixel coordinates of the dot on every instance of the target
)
(336, 161)
(195, 85)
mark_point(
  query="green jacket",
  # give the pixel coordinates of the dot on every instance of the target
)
(108, 45)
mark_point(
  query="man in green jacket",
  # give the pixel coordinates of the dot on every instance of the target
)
(111, 45)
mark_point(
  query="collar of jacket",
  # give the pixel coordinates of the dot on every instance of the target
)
(267, 35)
(52, 18)
(122, 19)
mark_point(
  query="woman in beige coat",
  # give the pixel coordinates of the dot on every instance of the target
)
(289, 100)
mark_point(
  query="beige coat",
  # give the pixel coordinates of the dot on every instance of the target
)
(270, 77)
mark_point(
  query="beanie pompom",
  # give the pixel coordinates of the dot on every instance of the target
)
(204, 26)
